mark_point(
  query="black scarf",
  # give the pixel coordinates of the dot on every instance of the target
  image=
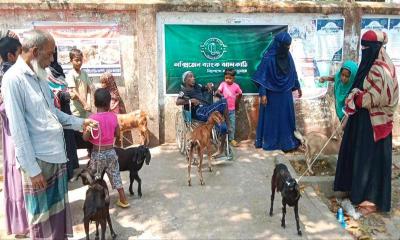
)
(368, 57)
(55, 67)
(282, 59)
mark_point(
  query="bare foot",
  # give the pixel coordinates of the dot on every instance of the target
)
(366, 210)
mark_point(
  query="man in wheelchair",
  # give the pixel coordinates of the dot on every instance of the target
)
(202, 104)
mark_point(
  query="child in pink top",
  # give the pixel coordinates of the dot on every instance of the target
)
(103, 154)
(232, 92)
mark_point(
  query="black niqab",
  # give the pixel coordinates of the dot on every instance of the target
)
(368, 57)
(282, 59)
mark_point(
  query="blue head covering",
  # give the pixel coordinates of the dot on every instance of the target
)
(276, 71)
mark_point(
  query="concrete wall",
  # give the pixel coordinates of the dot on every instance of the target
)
(142, 82)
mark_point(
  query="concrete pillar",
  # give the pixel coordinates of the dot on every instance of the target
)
(146, 55)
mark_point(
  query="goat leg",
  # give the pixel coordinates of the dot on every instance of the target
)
(283, 214)
(113, 234)
(97, 230)
(131, 179)
(86, 225)
(190, 157)
(296, 214)
(199, 168)
(273, 187)
(103, 224)
(136, 176)
(209, 158)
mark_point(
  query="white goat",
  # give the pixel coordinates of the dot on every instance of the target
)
(313, 143)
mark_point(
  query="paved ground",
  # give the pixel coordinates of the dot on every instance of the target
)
(232, 204)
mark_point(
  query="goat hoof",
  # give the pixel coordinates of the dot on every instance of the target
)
(189, 183)
(202, 183)
(299, 233)
(210, 169)
(271, 214)
(131, 193)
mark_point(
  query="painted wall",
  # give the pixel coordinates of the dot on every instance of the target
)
(142, 82)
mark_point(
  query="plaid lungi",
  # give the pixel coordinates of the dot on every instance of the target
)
(48, 209)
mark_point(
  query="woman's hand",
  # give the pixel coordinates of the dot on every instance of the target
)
(322, 79)
(264, 100)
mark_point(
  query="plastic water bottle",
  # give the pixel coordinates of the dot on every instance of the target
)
(340, 216)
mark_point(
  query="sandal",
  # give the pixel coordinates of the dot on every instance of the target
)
(121, 204)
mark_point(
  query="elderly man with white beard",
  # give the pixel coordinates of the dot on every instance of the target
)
(37, 130)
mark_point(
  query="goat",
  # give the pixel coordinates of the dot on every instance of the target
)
(200, 138)
(132, 159)
(313, 143)
(96, 205)
(135, 119)
(283, 182)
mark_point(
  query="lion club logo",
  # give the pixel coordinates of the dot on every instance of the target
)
(213, 48)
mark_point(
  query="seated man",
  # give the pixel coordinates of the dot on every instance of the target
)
(201, 106)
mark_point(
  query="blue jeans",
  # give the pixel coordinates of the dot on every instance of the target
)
(203, 113)
(232, 117)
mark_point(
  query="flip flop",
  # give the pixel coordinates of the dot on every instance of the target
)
(122, 205)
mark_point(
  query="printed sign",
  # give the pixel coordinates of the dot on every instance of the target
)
(99, 44)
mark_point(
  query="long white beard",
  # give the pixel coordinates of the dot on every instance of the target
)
(40, 72)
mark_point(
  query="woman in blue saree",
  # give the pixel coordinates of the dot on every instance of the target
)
(276, 78)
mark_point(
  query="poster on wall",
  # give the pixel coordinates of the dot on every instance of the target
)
(380, 24)
(98, 42)
(393, 45)
(329, 37)
(209, 49)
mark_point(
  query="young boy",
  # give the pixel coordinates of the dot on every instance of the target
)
(232, 92)
(79, 86)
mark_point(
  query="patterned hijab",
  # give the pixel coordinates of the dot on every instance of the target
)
(342, 90)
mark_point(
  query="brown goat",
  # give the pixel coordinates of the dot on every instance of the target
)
(313, 143)
(200, 138)
(135, 119)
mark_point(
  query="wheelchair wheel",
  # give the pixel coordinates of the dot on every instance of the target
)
(180, 134)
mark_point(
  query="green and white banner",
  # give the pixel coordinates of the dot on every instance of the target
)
(207, 50)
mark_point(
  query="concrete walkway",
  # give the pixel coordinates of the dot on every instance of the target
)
(232, 204)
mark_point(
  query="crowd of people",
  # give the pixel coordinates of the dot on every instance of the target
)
(47, 115)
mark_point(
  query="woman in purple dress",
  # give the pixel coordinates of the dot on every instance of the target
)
(15, 212)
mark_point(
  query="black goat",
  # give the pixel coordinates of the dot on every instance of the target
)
(96, 205)
(283, 182)
(132, 159)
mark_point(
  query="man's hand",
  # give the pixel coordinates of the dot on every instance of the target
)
(323, 79)
(264, 100)
(300, 92)
(194, 101)
(210, 86)
(12, 34)
(87, 108)
(38, 182)
(90, 123)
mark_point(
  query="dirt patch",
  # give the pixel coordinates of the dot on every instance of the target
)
(374, 226)
(321, 167)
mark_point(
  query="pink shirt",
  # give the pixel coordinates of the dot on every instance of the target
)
(108, 122)
(230, 92)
